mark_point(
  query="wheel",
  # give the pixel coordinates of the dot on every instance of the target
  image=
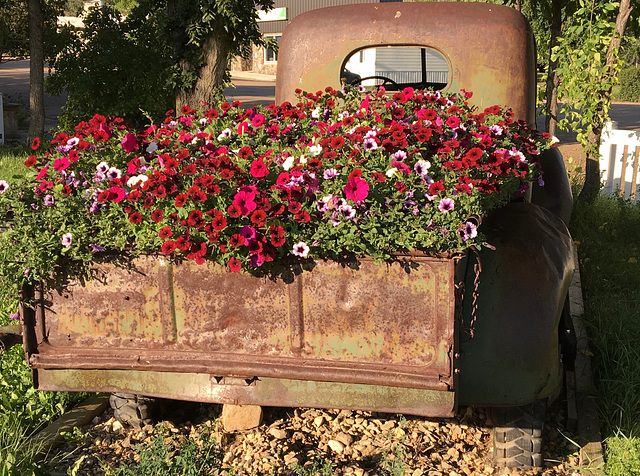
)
(517, 435)
(133, 410)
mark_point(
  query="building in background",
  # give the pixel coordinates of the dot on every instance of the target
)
(272, 24)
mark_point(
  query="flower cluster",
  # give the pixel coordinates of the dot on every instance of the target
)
(338, 175)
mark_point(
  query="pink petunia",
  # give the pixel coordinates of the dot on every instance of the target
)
(61, 164)
(453, 122)
(117, 194)
(245, 201)
(258, 120)
(129, 143)
(446, 205)
(356, 189)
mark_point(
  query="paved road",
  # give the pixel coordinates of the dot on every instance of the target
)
(249, 89)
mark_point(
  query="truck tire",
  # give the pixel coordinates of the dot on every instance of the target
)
(133, 410)
(517, 435)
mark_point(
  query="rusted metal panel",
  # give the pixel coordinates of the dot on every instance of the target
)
(490, 48)
(379, 324)
(10, 336)
(204, 387)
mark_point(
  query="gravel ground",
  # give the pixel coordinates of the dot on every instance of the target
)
(354, 442)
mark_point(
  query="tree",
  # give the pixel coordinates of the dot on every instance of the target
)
(36, 69)
(118, 66)
(588, 65)
(206, 35)
(115, 66)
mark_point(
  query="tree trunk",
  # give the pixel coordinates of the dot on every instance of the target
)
(36, 69)
(592, 169)
(551, 94)
(211, 76)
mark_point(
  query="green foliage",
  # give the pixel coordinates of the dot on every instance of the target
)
(12, 161)
(585, 78)
(114, 67)
(13, 15)
(169, 454)
(630, 84)
(231, 23)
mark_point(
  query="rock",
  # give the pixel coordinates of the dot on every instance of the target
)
(336, 446)
(116, 426)
(240, 417)
(277, 433)
(344, 438)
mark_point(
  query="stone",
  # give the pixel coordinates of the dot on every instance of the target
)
(240, 417)
(117, 426)
(336, 446)
(277, 433)
(344, 438)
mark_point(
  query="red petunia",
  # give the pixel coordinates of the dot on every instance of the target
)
(234, 210)
(258, 217)
(236, 240)
(181, 199)
(35, 145)
(157, 216)
(436, 187)
(31, 161)
(234, 265)
(165, 232)
(168, 247)
(259, 169)
(135, 218)
(219, 222)
(294, 207)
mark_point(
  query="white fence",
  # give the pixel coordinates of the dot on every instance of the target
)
(619, 157)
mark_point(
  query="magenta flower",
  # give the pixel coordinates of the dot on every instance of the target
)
(129, 142)
(356, 189)
(453, 122)
(446, 205)
(4, 186)
(117, 194)
(245, 201)
(258, 120)
(61, 164)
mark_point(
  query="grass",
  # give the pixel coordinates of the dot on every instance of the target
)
(12, 160)
(171, 455)
(607, 232)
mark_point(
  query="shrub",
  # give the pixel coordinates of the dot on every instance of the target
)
(630, 84)
(114, 67)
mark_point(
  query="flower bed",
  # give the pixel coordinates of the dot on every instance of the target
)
(268, 190)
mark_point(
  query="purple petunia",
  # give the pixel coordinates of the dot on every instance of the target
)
(468, 231)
